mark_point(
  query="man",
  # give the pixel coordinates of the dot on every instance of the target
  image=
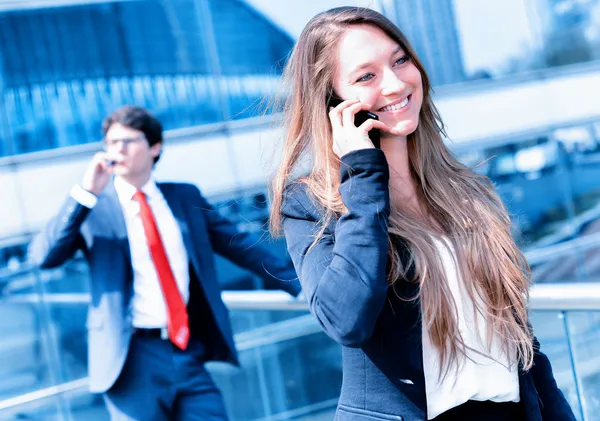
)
(156, 313)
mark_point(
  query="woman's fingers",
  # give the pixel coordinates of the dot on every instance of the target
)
(335, 113)
(371, 124)
(335, 118)
(346, 136)
(337, 110)
(350, 111)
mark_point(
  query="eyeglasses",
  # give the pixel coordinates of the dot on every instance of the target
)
(126, 141)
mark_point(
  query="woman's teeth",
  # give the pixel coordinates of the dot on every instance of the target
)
(396, 106)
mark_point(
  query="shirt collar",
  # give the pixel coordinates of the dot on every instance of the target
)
(125, 191)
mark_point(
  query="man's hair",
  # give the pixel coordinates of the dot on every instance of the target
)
(137, 118)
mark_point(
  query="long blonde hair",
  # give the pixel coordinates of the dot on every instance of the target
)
(462, 203)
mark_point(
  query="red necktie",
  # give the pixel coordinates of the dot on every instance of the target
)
(177, 324)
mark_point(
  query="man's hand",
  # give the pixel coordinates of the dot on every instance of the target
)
(99, 171)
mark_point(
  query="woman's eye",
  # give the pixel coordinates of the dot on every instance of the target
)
(365, 78)
(402, 60)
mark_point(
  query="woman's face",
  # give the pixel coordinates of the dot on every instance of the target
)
(374, 69)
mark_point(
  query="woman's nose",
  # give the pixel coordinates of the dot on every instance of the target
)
(392, 83)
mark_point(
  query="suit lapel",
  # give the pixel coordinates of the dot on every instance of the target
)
(174, 201)
(112, 212)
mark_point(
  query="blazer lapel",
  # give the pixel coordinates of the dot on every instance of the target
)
(176, 206)
(108, 201)
(115, 213)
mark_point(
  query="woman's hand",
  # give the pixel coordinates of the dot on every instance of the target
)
(346, 136)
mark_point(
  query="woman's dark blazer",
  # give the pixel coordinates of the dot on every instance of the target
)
(344, 279)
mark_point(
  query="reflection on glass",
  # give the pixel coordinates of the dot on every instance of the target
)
(23, 352)
(550, 184)
(56, 88)
(584, 329)
(78, 405)
(543, 34)
(299, 376)
(550, 331)
(42, 340)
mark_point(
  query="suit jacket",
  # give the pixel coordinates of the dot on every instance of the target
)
(344, 279)
(101, 234)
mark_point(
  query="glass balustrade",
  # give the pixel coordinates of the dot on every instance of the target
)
(289, 368)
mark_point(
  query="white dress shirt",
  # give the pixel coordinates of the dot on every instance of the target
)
(486, 374)
(148, 304)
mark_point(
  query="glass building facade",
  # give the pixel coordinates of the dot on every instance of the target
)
(192, 62)
(431, 28)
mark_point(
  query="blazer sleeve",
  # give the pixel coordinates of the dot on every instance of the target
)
(553, 404)
(246, 250)
(343, 275)
(60, 238)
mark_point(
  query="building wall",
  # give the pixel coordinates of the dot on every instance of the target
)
(191, 62)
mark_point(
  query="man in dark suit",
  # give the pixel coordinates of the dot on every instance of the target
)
(156, 313)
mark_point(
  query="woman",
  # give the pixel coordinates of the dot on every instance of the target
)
(404, 254)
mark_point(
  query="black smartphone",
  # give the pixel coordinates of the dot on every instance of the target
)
(359, 118)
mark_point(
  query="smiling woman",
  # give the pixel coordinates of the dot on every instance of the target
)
(404, 254)
(383, 77)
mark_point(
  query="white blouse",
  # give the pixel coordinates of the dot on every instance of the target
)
(485, 374)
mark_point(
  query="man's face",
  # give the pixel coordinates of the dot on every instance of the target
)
(133, 155)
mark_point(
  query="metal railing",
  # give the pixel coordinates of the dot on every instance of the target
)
(544, 297)
(552, 296)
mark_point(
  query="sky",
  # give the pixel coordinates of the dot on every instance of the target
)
(293, 15)
(490, 31)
